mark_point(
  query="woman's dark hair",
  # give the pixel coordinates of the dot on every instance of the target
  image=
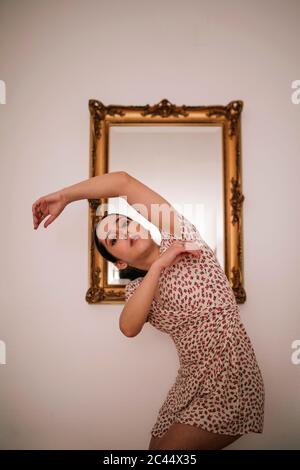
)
(128, 273)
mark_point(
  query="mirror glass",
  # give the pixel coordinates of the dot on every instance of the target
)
(183, 163)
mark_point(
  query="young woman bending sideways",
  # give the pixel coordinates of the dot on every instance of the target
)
(180, 288)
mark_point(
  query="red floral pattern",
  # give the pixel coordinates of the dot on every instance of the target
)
(219, 385)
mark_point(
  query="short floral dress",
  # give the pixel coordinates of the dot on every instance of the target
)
(219, 385)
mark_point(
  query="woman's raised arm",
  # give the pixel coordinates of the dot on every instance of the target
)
(151, 204)
(103, 186)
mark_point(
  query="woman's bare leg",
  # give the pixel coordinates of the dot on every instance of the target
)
(188, 437)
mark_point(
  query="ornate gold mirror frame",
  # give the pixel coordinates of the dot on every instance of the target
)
(229, 118)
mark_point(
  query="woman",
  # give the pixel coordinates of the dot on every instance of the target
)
(180, 288)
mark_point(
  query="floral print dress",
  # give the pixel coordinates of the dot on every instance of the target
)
(219, 385)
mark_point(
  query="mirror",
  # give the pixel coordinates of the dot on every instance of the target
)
(157, 155)
(189, 155)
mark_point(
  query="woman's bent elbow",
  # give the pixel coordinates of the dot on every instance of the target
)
(129, 334)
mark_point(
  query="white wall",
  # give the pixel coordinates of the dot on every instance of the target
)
(72, 380)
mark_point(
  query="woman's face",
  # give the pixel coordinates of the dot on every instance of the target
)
(125, 239)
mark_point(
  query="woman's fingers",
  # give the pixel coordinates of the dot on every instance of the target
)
(189, 244)
(195, 252)
(49, 220)
(182, 254)
(36, 215)
(192, 245)
(188, 247)
(36, 205)
(38, 220)
(36, 210)
(39, 211)
(193, 248)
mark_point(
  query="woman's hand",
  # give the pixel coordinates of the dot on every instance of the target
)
(177, 251)
(51, 204)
